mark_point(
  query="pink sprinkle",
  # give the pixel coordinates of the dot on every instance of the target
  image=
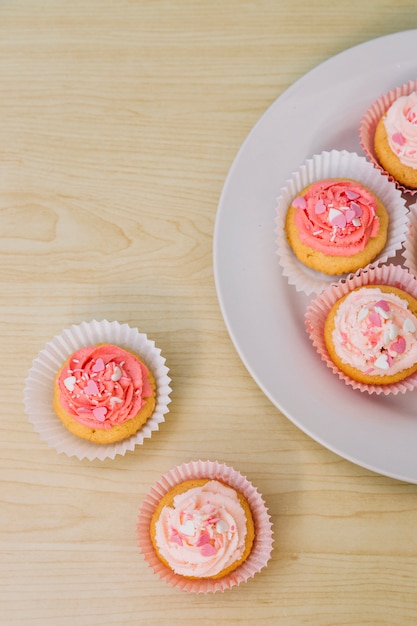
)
(399, 345)
(98, 365)
(356, 207)
(320, 207)
(382, 304)
(352, 195)
(208, 550)
(91, 388)
(175, 538)
(100, 413)
(398, 138)
(203, 539)
(338, 220)
(299, 202)
(375, 319)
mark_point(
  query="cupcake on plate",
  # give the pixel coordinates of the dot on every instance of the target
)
(365, 329)
(388, 135)
(97, 390)
(204, 528)
(334, 216)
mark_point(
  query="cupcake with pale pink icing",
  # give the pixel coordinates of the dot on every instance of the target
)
(204, 528)
(365, 329)
(104, 393)
(97, 390)
(335, 215)
(388, 135)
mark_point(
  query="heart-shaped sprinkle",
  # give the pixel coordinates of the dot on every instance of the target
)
(299, 202)
(382, 362)
(100, 413)
(352, 195)
(337, 218)
(69, 382)
(354, 206)
(409, 326)
(399, 345)
(350, 215)
(398, 138)
(320, 207)
(382, 304)
(98, 365)
(91, 388)
(175, 538)
(188, 528)
(203, 539)
(363, 313)
(117, 374)
(221, 526)
(208, 550)
(375, 319)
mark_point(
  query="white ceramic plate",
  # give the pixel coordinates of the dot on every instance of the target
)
(263, 314)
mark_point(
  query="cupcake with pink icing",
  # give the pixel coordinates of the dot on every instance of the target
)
(97, 390)
(365, 329)
(204, 528)
(336, 215)
(388, 135)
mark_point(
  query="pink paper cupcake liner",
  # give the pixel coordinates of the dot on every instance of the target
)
(262, 547)
(337, 164)
(318, 309)
(369, 123)
(38, 391)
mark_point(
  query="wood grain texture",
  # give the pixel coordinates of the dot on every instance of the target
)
(118, 124)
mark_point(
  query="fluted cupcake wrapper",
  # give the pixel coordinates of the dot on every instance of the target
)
(213, 470)
(318, 309)
(370, 121)
(337, 164)
(39, 387)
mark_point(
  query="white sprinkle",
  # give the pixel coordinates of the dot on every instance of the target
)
(409, 326)
(362, 313)
(393, 331)
(116, 399)
(318, 232)
(382, 362)
(356, 221)
(384, 314)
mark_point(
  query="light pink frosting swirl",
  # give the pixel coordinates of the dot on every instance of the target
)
(102, 386)
(336, 218)
(375, 332)
(401, 126)
(204, 532)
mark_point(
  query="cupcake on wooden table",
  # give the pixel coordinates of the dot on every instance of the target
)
(97, 390)
(337, 214)
(204, 528)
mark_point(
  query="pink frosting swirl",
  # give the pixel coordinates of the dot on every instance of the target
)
(375, 332)
(101, 386)
(336, 218)
(401, 126)
(204, 532)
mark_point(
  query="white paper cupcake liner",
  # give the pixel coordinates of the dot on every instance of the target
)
(318, 309)
(410, 244)
(262, 547)
(337, 164)
(370, 121)
(39, 387)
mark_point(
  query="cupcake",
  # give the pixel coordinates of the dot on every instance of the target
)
(104, 393)
(365, 329)
(336, 226)
(204, 528)
(334, 216)
(388, 135)
(97, 390)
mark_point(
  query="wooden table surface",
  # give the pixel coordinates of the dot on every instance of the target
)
(119, 122)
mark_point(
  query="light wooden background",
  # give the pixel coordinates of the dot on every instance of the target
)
(118, 124)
